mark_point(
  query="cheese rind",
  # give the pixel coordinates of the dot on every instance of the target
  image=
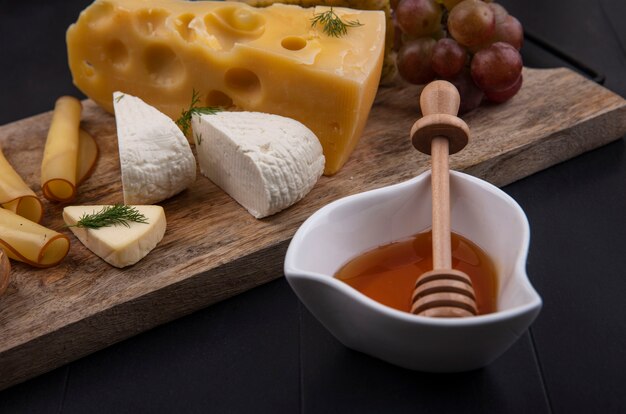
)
(265, 162)
(267, 60)
(155, 157)
(119, 246)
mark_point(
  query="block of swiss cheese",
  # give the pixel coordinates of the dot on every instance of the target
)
(235, 56)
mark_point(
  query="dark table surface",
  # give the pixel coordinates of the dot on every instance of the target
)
(262, 351)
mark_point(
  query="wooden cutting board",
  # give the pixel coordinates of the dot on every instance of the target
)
(214, 249)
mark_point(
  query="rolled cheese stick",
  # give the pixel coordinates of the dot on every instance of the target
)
(87, 156)
(15, 195)
(60, 157)
(29, 242)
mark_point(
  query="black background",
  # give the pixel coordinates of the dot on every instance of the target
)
(263, 352)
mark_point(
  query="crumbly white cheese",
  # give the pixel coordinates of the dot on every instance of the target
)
(155, 156)
(265, 162)
(119, 246)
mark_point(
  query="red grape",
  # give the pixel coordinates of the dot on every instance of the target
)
(499, 12)
(471, 22)
(510, 31)
(505, 94)
(448, 58)
(418, 17)
(497, 67)
(414, 60)
(471, 95)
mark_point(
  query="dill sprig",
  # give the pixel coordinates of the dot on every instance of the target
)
(184, 122)
(111, 216)
(333, 25)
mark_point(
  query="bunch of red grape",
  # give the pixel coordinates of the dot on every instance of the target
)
(474, 44)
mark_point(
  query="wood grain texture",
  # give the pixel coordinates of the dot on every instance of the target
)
(214, 249)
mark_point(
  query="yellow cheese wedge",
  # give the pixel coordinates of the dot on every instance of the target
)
(266, 60)
(119, 245)
(28, 242)
(15, 195)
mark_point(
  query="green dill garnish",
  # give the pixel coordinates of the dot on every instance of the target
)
(198, 138)
(184, 122)
(119, 98)
(333, 25)
(111, 216)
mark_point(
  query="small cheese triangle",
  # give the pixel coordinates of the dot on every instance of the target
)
(119, 245)
(155, 156)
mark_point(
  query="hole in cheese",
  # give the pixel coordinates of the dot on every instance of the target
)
(218, 98)
(242, 80)
(293, 43)
(117, 53)
(88, 69)
(181, 24)
(163, 65)
(150, 21)
(234, 24)
(100, 15)
(241, 18)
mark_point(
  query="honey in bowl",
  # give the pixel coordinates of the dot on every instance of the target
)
(388, 273)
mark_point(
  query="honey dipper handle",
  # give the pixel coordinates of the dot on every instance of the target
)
(440, 97)
(440, 133)
(440, 181)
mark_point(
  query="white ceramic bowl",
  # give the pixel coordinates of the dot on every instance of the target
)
(350, 226)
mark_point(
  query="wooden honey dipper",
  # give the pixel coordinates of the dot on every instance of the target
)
(443, 291)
